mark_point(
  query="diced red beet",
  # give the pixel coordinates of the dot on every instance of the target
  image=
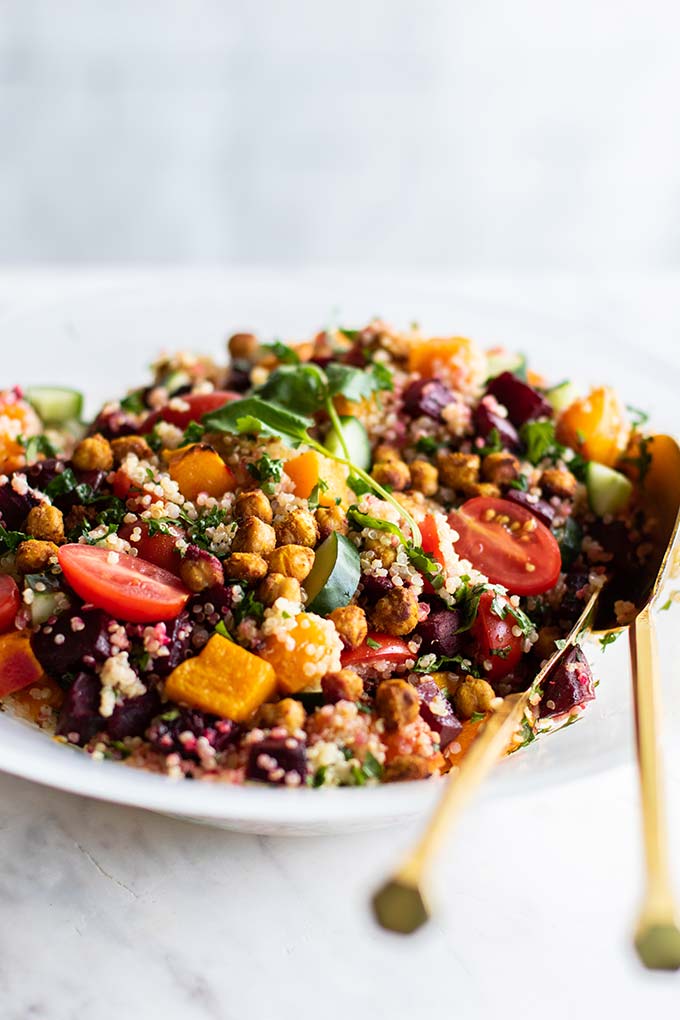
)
(522, 401)
(436, 710)
(542, 510)
(427, 397)
(375, 587)
(79, 717)
(569, 684)
(487, 419)
(271, 759)
(438, 632)
(43, 472)
(15, 506)
(172, 732)
(131, 718)
(76, 636)
(113, 424)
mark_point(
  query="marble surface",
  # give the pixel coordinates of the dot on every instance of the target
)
(112, 912)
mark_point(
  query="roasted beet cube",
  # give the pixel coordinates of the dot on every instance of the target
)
(179, 633)
(569, 684)
(542, 510)
(131, 718)
(213, 604)
(486, 419)
(375, 587)
(522, 401)
(427, 397)
(177, 732)
(113, 424)
(43, 472)
(77, 637)
(15, 506)
(277, 760)
(436, 710)
(576, 594)
(438, 632)
(79, 717)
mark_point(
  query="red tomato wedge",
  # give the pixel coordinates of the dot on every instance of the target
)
(127, 587)
(10, 601)
(125, 488)
(382, 648)
(508, 544)
(198, 404)
(430, 545)
(494, 639)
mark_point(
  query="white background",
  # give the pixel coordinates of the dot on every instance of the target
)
(477, 134)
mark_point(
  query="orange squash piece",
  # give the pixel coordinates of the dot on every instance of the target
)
(457, 750)
(21, 420)
(224, 679)
(304, 653)
(199, 468)
(303, 472)
(595, 426)
(18, 665)
(456, 359)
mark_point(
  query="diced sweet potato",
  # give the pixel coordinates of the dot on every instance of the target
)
(303, 471)
(224, 679)
(304, 654)
(31, 701)
(454, 359)
(18, 665)
(200, 468)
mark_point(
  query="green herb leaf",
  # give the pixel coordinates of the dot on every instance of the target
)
(255, 416)
(608, 639)
(477, 716)
(371, 767)
(303, 387)
(637, 417)
(427, 444)
(418, 557)
(492, 444)
(36, 445)
(539, 437)
(133, 403)
(9, 540)
(372, 644)
(282, 352)
(521, 483)
(267, 471)
(193, 433)
(358, 486)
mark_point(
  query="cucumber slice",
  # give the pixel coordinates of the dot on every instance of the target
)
(356, 438)
(560, 397)
(334, 577)
(608, 490)
(500, 361)
(55, 405)
(175, 381)
(47, 599)
(569, 538)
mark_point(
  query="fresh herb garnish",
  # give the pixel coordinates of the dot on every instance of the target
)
(539, 437)
(446, 663)
(521, 483)
(221, 629)
(372, 644)
(313, 498)
(637, 417)
(9, 540)
(427, 444)
(282, 352)
(493, 443)
(267, 471)
(249, 607)
(477, 716)
(36, 445)
(259, 417)
(133, 403)
(193, 433)
(608, 639)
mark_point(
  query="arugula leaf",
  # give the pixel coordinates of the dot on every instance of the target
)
(285, 354)
(258, 417)
(357, 383)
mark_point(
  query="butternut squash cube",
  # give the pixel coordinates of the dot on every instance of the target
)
(199, 468)
(18, 665)
(224, 679)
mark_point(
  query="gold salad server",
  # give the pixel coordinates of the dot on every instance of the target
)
(401, 904)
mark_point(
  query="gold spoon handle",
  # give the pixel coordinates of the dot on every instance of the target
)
(657, 937)
(400, 904)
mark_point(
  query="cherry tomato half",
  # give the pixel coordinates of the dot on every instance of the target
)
(125, 586)
(494, 638)
(389, 649)
(125, 488)
(198, 404)
(160, 549)
(10, 602)
(430, 545)
(508, 544)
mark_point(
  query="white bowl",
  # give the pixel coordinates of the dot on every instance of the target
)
(101, 339)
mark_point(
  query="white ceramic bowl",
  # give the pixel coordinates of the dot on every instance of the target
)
(101, 339)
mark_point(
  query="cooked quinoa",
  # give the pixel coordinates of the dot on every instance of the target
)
(315, 564)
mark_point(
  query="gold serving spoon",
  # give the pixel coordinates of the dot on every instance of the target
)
(401, 904)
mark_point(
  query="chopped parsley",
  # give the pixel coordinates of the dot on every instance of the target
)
(36, 445)
(608, 639)
(267, 471)
(372, 644)
(427, 444)
(9, 540)
(133, 403)
(193, 433)
(493, 443)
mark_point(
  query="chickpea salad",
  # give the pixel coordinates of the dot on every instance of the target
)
(315, 564)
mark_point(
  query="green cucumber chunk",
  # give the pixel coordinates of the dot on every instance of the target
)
(55, 405)
(334, 578)
(356, 438)
(562, 396)
(569, 538)
(498, 362)
(608, 490)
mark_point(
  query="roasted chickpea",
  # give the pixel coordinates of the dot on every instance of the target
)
(299, 527)
(46, 523)
(473, 696)
(124, 445)
(458, 470)
(93, 453)
(247, 567)
(33, 556)
(331, 518)
(345, 685)
(350, 623)
(424, 477)
(278, 586)
(397, 703)
(254, 536)
(253, 504)
(396, 613)
(394, 473)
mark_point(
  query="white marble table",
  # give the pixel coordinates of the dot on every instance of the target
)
(111, 912)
